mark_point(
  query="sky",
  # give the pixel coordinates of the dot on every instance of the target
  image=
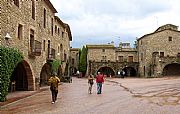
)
(104, 21)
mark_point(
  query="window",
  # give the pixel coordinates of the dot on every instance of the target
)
(61, 52)
(141, 42)
(103, 50)
(161, 54)
(55, 29)
(58, 32)
(170, 38)
(141, 56)
(178, 55)
(49, 48)
(65, 56)
(44, 45)
(16, 2)
(44, 18)
(120, 58)
(130, 59)
(103, 58)
(20, 30)
(52, 26)
(62, 34)
(61, 47)
(33, 9)
(73, 61)
(31, 40)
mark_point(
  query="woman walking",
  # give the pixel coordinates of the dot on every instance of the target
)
(90, 83)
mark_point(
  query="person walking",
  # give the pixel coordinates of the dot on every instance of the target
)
(90, 83)
(54, 82)
(99, 81)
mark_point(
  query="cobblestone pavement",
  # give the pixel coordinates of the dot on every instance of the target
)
(120, 96)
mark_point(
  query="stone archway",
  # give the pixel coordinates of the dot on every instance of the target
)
(22, 78)
(73, 71)
(107, 71)
(171, 70)
(130, 72)
(60, 74)
(45, 74)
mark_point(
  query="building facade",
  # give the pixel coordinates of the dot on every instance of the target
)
(32, 27)
(74, 61)
(156, 54)
(111, 60)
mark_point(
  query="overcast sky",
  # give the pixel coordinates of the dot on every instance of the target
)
(103, 21)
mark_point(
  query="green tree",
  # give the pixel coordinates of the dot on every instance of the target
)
(83, 61)
(55, 63)
(79, 59)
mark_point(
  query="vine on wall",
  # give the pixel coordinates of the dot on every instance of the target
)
(9, 58)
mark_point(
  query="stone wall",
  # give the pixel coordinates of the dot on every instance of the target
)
(12, 16)
(157, 42)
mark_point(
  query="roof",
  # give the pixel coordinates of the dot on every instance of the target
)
(50, 6)
(163, 28)
(59, 21)
(74, 49)
(167, 26)
(100, 46)
(69, 31)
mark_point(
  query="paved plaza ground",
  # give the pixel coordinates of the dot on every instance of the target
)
(120, 96)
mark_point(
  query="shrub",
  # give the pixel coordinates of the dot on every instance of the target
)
(9, 58)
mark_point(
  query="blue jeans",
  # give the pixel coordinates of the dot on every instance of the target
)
(99, 88)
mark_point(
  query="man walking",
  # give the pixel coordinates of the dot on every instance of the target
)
(99, 81)
(53, 82)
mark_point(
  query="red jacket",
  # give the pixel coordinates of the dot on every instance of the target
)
(99, 78)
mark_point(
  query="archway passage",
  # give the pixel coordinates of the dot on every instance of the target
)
(130, 72)
(45, 74)
(108, 71)
(22, 78)
(60, 73)
(73, 71)
(171, 70)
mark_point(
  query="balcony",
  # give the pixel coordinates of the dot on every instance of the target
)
(51, 54)
(35, 49)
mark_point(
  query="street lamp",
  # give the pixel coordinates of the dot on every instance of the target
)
(7, 37)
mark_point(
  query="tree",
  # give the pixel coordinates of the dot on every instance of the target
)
(83, 61)
(79, 59)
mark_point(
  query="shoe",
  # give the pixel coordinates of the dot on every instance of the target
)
(56, 101)
(52, 102)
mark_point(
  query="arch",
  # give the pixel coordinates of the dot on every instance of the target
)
(107, 71)
(130, 72)
(60, 73)
(73, 71)
(171, 70)
(22, 77)
(45, 74)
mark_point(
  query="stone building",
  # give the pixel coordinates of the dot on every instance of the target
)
(32, 27)
(74, 55)
(111, 60)
(158, 52)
